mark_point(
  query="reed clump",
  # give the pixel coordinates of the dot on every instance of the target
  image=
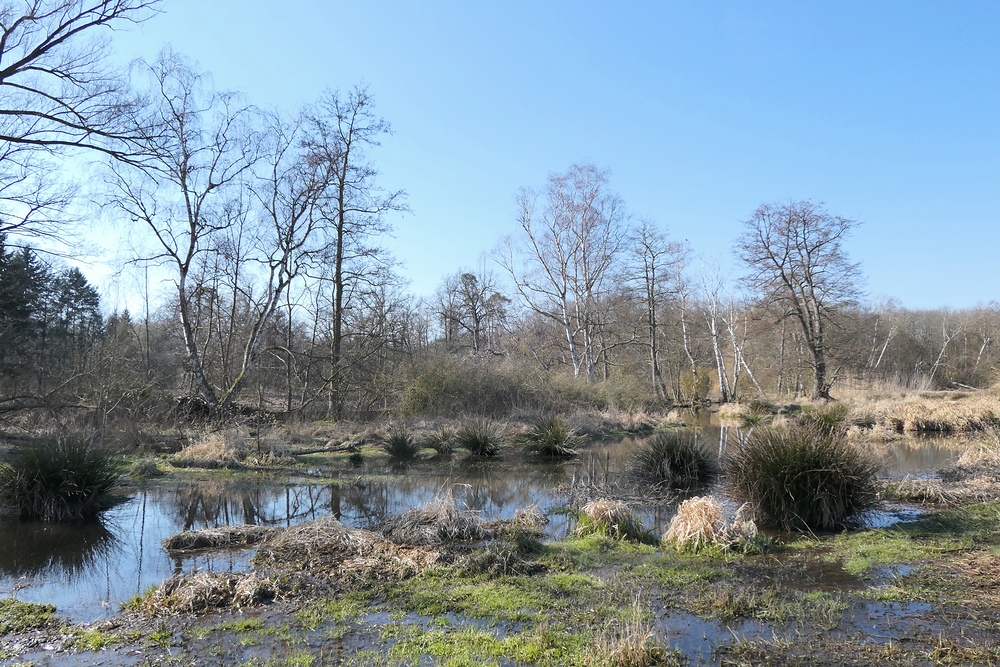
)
(59, 480)
(230, 449)
(550, 437)
(481, 436)
(801, 479)
(632, 641)
(701, 523)
(400, 444)
(677, 460)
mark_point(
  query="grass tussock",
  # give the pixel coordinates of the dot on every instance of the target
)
(677, 460)
(482, 436)
(550, 437)
(219, 538)
(631, 641)
(400, 444)
(17, 617)
(146, 468)
(59, 480)
(438, 522)
(612, 518)
(801, 479)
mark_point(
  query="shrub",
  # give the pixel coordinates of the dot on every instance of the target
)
(68, 479)
(481, 436)
(551, 438)
(801, 479)
(676, 459)
(400, 444)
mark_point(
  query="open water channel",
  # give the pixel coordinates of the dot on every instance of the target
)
(87, 571)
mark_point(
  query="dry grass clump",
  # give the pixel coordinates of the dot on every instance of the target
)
(698, 523)
(611, 518)
(937, 412)
(701, 522)
(939, 492)
(146, 468)
(202, 591)
(630, 642)
(437, 522)
(230, 449)
(327, 548)
(215, 538)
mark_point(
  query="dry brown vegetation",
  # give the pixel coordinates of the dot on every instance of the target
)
(436, 522)
(222, 537)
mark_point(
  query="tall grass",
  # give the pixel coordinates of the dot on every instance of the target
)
(675, 459)
(66, 479)
(481, 436)
(550, 437)
(400, 444)
(801, 478)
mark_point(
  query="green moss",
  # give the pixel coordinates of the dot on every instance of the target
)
(95, 640)
(343, 609)
(496, 599)
(17, 616)
(468, 646)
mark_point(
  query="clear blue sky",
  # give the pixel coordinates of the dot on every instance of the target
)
(887, 111)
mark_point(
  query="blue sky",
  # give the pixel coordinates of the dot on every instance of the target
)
(889, 112)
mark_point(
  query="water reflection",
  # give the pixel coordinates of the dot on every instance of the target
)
(88, 570)
(37, 549)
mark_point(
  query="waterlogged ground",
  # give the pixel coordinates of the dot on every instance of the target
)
(924, 591)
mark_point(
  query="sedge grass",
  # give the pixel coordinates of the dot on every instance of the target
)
(677, 460)
(60, 480)
(801, 479)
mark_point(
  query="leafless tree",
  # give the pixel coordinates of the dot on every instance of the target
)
(57, 93)
(563, 256)
(656, 268)
(340, 132)
(796, 259)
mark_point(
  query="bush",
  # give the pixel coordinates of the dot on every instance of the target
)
(801, 479)
(400, 444)
(69, 479)
(675, 459)
(612, 518)
(482, 437)
(551, 438)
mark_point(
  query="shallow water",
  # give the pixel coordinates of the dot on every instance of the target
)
(87, 571)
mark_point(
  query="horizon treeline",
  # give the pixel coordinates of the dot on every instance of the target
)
(268, 226)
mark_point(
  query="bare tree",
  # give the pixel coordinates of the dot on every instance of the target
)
(656, 267)
(472, 304)
(796, 259)
(231, 205)
(56, 93)
(562, 258)
(341, 131)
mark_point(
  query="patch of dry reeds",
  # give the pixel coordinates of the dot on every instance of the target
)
(613, 518)
(629, 642)
(940, 492)
(698, 523)
(328, 549)
(203, 591)
(939, 412)
(437, 522)
(219, 538)
(230, 449)
(701, 522)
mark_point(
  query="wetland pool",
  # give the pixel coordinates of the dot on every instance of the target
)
(88, 570)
